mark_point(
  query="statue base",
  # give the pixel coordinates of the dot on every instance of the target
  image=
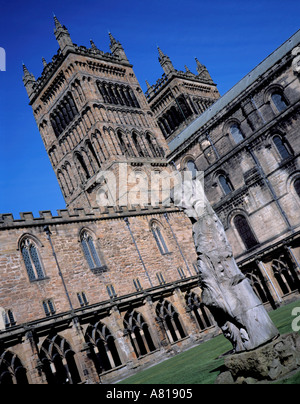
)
(273, 361)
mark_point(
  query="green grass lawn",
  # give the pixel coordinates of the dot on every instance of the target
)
(200, 365)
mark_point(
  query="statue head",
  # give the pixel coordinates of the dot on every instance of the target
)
(189, 196)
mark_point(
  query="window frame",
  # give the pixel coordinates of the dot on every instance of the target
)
(34, 273)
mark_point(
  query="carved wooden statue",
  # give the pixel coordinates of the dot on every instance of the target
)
(225, 290)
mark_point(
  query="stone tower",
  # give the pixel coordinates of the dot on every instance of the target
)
(92, 116)
(179, 97)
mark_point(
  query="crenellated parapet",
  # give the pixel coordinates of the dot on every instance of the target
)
(7, 220)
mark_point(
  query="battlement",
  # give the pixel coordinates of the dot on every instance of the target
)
(7, 220)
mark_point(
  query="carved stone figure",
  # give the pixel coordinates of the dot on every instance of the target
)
(225, 290)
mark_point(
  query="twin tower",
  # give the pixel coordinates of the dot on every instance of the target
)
(93, 115)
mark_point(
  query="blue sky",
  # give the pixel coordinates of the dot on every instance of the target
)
(230, 37)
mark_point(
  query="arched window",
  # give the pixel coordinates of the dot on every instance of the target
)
(170, 320)
(297, 186)
(191, 166)
(236, 133)
(104, 351)
(161, 243)
(200, 312)
(11, 370)
(279, 101)
(140, 336)
(90, 251)
(282, 147)
(245, 232)
(58, 361)
(225, 184)
(32, 260)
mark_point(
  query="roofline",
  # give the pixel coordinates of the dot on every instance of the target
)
(235, 91)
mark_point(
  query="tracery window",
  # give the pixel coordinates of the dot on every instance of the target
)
(89, 250)
(201, 314)
(104, 352)
(32, 260)
(139, 333)
(11, 369)
(170, 321)
(58, 361)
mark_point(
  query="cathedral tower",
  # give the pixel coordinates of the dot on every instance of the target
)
(180, 97)
(92, 116)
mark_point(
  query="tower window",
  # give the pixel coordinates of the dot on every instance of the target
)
(245, 232)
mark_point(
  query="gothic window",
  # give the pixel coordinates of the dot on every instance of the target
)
(281, 147)
(32, 260)
(159, 238)
(58, 361)
(11, 369)
(191, 166)
(161, 278)
(245, 231)
(279, 101)
(225, 184)
(297, 186)
(236, 133)
(170, 321)
(285, 275)
(104, 352)
(200, 312)
(89, 250)
(139, 333)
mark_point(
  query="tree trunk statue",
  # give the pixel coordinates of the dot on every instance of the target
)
(225, 290)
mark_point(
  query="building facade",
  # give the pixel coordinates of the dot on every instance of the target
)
(97, 293)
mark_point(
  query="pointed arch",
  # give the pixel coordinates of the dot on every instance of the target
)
(139, 333)
(58, 361)
(11, 369)
(200, 312)
(29, 248)
(104, 351)
(170, 321)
